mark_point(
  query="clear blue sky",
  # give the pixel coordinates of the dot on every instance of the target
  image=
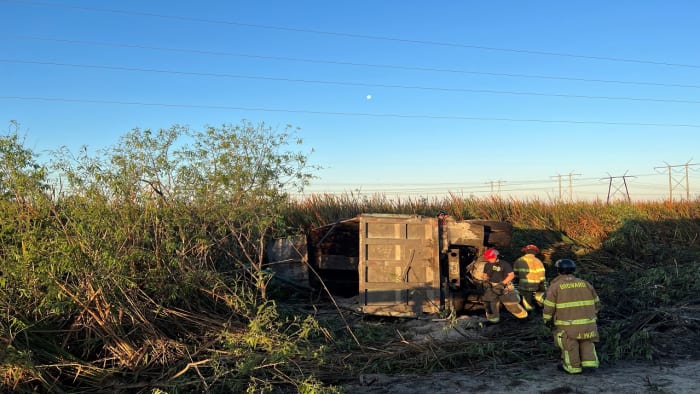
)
(394, 96)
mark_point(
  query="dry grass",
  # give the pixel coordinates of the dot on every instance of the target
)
(213, 332)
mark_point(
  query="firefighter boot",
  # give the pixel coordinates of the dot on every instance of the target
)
(492, 312)
(516, 309)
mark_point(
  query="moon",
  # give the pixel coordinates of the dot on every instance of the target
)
(369, 97)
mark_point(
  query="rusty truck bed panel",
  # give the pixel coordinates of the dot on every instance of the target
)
(398, 266)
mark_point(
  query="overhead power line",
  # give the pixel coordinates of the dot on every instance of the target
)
(346, 63)
(545, 187)
(335, 113)
(618, 188)
(570, 187)
(341, 83)
(674, 182)
(350, 35)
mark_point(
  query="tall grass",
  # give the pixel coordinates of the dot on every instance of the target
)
(140, 269)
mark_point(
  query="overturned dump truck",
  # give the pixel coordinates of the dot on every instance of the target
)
(396, 264)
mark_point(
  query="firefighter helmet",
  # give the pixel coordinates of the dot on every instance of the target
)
(441, 213)
(565, 266)
(490, 253)
(530, 248)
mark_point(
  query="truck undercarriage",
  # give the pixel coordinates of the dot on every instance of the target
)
(398, 265)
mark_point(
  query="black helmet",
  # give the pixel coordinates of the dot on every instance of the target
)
(441, 213)
(565, 266)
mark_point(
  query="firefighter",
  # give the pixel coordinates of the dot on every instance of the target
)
(571, 305)
(498, 278)
(529, 272)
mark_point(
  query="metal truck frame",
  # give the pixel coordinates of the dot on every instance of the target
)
(397, 264)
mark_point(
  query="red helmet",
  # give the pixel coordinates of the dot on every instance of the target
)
(490, 254)
(530, 248)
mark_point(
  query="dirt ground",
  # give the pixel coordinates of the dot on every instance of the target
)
(670, 376)
(682, 376)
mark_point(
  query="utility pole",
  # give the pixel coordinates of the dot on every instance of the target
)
(498, 186)
(619, 187)
(673, 182)
(571, 185)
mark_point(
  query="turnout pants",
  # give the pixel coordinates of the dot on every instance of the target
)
(533, 296)
(576, 353)
(494, 297)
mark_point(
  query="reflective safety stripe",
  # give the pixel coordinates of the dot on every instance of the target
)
(532, 272)
(516, 309)
(527, 269)
(574, 304)
(539, 297)
(576, 322)
(566, 359)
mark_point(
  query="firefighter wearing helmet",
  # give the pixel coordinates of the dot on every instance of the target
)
(572, 305)
(529, 272)
(498, 277)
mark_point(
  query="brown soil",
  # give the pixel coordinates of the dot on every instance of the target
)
(680, 376)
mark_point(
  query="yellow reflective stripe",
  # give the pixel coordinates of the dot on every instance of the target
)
(530, 280)
(546, 317)
(575, 322)
(575, 304)
(528, 269)
(549, 303)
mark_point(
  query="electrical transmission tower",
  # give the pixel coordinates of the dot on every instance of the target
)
(570, 188)
(618, 188)
(496, 187)
(675, 182)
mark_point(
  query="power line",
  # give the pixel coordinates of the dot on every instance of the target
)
(340, 83)
(518, 187)
(332, 113)
(673, 183)
(349, 35)
(520, 182)
(496, 186)
(571, 188)
(346, 63)
(618, 187)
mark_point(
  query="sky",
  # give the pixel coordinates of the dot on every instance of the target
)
(543, 100)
